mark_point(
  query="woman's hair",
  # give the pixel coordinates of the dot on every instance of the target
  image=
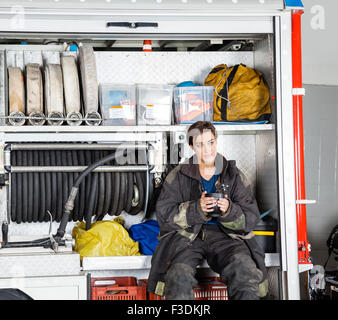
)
(198, 128)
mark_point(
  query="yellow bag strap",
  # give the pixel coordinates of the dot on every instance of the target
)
(225, 100)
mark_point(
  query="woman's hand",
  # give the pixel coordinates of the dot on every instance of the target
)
(207, 203)
(223, 204)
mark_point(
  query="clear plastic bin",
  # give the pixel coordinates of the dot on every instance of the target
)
(118, 104)
(154, 104)
(193, 104)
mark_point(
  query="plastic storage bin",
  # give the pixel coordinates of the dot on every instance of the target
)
(154, 104)
(118, 104)
(193, 104)
(265, 234)
(116, 288)
(206, 289)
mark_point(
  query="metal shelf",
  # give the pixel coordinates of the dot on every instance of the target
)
(110, 129)
(112, 133)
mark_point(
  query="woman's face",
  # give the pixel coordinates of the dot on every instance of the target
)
(205, 147)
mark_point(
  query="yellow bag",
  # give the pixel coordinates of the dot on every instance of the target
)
(104, 238)
(241, 94)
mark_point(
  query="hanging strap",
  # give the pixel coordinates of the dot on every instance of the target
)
(225, 91)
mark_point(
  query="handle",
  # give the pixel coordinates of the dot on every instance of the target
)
(132, 25)
(105, 282)
(4, 232)
(117, 292)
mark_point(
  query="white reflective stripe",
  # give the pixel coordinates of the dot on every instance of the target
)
(147, 47)
(71, 84)
(53, 88)
(89, 78)
(34, 88)
(298, 91)
(306, 201)
(16, 90)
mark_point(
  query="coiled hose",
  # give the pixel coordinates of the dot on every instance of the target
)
(33, 194)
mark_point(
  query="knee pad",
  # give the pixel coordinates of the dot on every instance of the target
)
(242, 266)
(242, 277)
(179, 282)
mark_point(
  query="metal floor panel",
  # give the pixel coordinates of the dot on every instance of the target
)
(39, 264)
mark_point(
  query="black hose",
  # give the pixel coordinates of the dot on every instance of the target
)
(132, 182)
(101, 192)
(70, 176)
(88, 179)
(18, 191)
(95, 157)
(24, 244)
(121, 199)
(59, 203)
(48, 187)
(65, 176)
(30, 182)
(42, 183)
(140, 186)
(45, 242)
(54, 185)
(91, 202)
(107, 194)
(116, 192)
(70, 202)
(32, 194)
(82, 187)
(74, 161)
(24, 189)
(150, 201)
(149, 188)
(14, 195)
(129, 191)
(37, 194)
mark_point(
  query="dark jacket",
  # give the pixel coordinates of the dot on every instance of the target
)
(180, 216)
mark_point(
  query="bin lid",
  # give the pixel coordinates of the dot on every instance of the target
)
(187, 84)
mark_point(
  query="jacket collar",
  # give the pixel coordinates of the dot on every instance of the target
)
(190, 167)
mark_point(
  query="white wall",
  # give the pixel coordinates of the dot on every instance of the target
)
(320, 42)
(321, 162)
(320, 77)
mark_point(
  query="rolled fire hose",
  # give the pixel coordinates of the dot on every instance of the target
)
(89, 84)
(34, 101)
(54, 93)
(71, 88)
(16, 88)
(49, 191)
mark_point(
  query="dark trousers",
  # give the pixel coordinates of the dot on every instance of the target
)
(228, 257)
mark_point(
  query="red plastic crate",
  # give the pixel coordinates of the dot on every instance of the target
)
(151, 296)
(211, 290)
(117, 288)
(207, 289)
